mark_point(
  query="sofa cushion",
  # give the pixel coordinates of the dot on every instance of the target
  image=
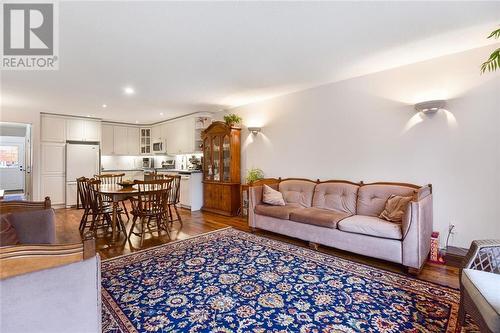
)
(279, 212)
(297, 191)
(326, 218)
(339, 196)
(34, 226)
(372, 197)
(272, 197)
(395, 208)
(372, 226)
(482, 287)
(8, 235)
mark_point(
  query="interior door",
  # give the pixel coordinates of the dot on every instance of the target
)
(12, 167)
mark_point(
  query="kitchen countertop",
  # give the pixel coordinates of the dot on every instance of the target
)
(124, 170)
(157, 169)
(178, 170)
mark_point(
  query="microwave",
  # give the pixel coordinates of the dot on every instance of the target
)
(159, 146)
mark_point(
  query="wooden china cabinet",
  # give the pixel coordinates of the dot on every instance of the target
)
(221, 168)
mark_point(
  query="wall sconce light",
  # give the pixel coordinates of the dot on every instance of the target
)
(254, 130)
(429, 107)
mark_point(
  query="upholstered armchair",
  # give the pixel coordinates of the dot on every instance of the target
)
(44, 286)
(480, 285)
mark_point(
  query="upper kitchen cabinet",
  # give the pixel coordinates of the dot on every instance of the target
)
(120, 140)
(156, 133)
(184, 135)
(133, 140)
(83, 130)
(107, 144)
(145, 141)
(53, 128)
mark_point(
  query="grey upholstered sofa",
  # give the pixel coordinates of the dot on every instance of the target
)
(47, 287)
(344, 215)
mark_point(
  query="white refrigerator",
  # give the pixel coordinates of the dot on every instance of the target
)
(82, 160)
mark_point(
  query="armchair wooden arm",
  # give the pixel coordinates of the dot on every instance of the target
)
(21, 205)
(22, 259)
(483, 255)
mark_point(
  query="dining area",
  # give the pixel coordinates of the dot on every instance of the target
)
(117, 211)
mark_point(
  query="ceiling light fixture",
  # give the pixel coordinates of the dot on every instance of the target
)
(129, 90)
(254, 130)
(428, 107)
(161, 113)
(104, 106)
(137, 121)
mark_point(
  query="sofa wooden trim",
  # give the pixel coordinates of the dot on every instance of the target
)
(21, 259)
(21, 205)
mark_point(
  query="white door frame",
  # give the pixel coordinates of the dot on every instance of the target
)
(28, 158)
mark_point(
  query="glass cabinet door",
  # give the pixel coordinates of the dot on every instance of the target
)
(226, 159)
(207, 168)
(216, 157)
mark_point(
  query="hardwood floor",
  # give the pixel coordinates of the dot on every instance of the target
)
(195, 223)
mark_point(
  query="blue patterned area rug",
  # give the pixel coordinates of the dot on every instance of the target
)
(232, 281)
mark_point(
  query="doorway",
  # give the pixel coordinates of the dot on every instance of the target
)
(15, 160)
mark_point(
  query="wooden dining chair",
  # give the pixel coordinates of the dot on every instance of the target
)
(114, 178)
(83, 199)
(150, 204)
(173, 199)
(101, 211)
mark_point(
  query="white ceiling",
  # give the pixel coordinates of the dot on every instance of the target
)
(183, 57)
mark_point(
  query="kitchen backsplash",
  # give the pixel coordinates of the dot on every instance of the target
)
(121, 162)
(135, 162)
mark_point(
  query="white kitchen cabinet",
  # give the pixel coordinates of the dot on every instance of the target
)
(71, 194)
(120, 140)
(156, 133)
(75, 129)
(92, 130)
(53, 158)
(107, 144)
(53, 186)
(171, 137)
(83, 130)
(53, 128)
(133, 140)
(191, 191)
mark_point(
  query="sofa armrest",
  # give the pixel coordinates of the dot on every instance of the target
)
(417, 229)
(483, 255)
(56, 300)
(254, 198)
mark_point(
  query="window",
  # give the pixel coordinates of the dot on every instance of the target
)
(9, 156)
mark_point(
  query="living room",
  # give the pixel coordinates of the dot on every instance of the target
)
(252, 167)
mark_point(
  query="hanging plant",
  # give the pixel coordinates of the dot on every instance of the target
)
(493, 63)
(232, 119)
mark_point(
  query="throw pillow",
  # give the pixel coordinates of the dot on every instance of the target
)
(272, 197)
(8, 235)
(395, 208)
(34, 226)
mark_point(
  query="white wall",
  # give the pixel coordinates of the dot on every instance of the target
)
(361, 129)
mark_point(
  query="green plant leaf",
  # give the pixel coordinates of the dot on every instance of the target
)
(493, 62)
(495, 34)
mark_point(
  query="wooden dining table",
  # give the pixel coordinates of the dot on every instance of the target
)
(117, 193)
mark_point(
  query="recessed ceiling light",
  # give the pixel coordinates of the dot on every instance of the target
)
(88, 116)
(129, 90)
(137, 121)
(104, 106)
(161, 113)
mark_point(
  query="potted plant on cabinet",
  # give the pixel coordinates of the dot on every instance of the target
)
(233, 120)
(254, 174)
